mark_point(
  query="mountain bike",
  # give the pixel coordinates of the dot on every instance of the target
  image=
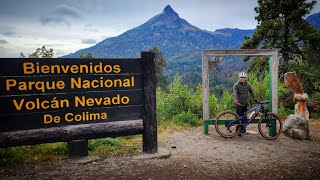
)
(228, 123)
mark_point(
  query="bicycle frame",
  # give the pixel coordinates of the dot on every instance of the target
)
(269, 124)
(257, 109)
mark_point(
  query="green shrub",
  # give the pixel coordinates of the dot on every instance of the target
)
(213, 105)
(316, 96)
(161, 100)
(186, 118)
(283, 111)
(174, 102)
(260, 86)
(95, 143)
(226, 102)
(194, 103)
(180, 99)
(314, 105)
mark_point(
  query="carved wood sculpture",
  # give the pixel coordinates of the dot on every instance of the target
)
(293, 83)
(213, 62)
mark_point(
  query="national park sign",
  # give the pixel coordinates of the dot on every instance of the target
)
(40, 96)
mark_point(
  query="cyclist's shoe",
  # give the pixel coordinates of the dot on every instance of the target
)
(228, 124)
(243, 130)
(237, 127)
(240, 133)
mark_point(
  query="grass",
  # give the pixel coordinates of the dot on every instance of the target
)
(32, 153)
(104, 147)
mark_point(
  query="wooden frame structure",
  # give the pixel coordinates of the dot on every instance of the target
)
(218, 55)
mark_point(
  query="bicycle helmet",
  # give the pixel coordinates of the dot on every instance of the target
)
(243, 75)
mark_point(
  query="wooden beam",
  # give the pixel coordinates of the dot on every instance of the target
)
(241, 52)
(205, 86)
(149, 136)
(71, 132)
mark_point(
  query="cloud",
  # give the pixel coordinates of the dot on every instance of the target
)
(53, 20)
(91, 28)
(3, 41)
(9, 33)
(64, 10)
(62, 14)
(88, 41)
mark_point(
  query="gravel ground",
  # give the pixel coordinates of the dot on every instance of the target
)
(193, 156)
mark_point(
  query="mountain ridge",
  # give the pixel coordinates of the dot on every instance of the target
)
(181, 44)
(178, 39)
(314, 20)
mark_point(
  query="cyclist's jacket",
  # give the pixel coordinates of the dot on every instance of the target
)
(240, 92)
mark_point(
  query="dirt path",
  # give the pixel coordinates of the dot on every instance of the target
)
(196, 156)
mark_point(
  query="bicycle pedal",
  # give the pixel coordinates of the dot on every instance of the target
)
(269, 125)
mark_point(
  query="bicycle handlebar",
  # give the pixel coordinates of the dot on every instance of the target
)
(264, 102)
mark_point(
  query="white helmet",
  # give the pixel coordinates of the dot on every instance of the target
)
(243, 75)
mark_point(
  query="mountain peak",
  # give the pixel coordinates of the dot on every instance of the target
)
(169, 10)
(168, 19)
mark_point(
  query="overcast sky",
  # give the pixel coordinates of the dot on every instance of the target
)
(69, 25)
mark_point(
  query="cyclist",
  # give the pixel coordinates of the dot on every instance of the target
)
(240, 95)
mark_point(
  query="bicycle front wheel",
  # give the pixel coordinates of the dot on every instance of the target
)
(227, 124)
(270, 127)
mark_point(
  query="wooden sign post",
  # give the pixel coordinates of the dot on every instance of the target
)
(56, 100)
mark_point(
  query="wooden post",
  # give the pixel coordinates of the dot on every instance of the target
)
(275, 76)
(205, 86)
(149, 136)
(78, 148)
(273, 130)
(270, 83)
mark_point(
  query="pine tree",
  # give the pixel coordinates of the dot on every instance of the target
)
(40, 53)
(88, 55)
(161, 63)
(281, 25)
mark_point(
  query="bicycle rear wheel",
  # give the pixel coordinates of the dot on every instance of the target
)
(270, 127)
(226, 124)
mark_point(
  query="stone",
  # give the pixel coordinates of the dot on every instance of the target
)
(251, 132)
(87, 160)
(296, 127)
(162, 153)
